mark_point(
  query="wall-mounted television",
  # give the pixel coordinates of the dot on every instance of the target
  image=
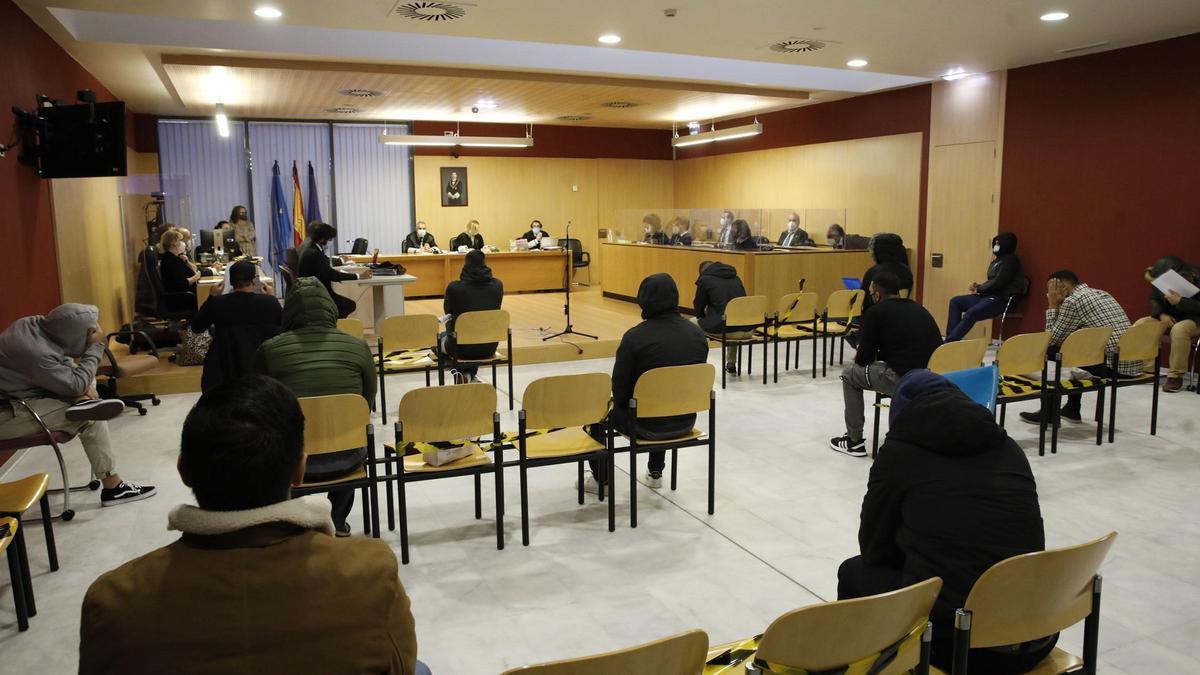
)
(76, 140)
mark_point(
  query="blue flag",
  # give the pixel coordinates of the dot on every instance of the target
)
(281, 222)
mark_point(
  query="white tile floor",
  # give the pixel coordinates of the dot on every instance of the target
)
(787, 515)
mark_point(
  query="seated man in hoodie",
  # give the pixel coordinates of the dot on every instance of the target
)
(988, 300)
(949, 496)
(663, 338)
(50, 362)
(898, 335)
(313, 358)
(717, 284)
(255, 582)
(1179, 314)
(474, 290)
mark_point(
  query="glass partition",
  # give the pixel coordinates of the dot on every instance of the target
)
(708, 227)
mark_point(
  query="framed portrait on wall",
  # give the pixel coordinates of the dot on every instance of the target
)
(454, 186)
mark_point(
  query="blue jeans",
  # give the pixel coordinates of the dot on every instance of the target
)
(967, 310)
(422, 669)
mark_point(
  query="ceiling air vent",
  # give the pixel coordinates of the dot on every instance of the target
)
(344, 110)
(797, 46)
(360, 93)
(574, 118)
(429, 11)
(619, 104)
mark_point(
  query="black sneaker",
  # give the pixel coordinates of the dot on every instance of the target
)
(1036, 417)
(341, 530)
(731, 369)
(126, 491)
(95, 409)
(849, 446)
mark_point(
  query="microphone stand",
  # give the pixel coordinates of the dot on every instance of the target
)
(569, 330)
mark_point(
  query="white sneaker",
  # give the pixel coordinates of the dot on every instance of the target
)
(654, 479)
(590, 485)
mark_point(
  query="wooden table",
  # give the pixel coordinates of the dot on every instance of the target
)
(773, 273)
(519, 270)
(387, 296)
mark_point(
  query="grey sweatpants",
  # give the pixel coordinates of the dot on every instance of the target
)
(855, 380)
(15, 421)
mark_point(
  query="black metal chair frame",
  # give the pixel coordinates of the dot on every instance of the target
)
(525, 463)
(366, 485)
(757, 335)
(22, 581)
(1117, 383)
(47, 528)
(1055, 391)
(1041, 394)
(383, 371)
(787, 344)
(402, 478)
(450, 361)
(1010, 305)
(67, 514)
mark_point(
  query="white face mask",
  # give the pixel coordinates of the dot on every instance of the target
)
(996, 248)
(724, 222)
(832, 241)
(536, 229)
(793, 226)
(421, 232)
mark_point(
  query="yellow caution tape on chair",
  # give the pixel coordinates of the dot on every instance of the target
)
(871, 665)
(408, 357)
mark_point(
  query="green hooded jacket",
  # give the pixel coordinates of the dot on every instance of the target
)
(312, 357)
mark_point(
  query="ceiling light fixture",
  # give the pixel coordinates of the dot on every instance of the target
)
(485, 104)
(222, 121)
(1055, 16)
(454, 139)
(609, 38)
(955, 74)
(856, 63)
(753, 129)
(267, 13)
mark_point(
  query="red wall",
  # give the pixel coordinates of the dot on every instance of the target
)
(556, 141)
(32, 64)
(1102, 167)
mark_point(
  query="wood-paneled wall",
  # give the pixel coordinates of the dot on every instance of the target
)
(89, 238)
(877, 180)
(505, 193)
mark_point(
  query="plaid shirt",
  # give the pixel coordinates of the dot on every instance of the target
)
(1087, 307)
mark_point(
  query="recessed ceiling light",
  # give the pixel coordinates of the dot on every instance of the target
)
(267, 13)
(609, 38)
(955, 74)
(856, 63)
(1054, 16)
(485, 104)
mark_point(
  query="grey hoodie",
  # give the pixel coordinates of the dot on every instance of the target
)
(38, 354)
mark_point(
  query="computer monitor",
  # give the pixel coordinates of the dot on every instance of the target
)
(229, 243)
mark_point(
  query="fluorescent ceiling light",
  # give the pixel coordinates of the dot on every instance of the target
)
(955, 74)
(485, 104)
(729, 134)
(609, 39)
(856, 63)
(1054, 16)
(267, 13)
(450, 141)
(222, 121)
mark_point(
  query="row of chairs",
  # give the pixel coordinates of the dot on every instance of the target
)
(555, 415)
(1021, 599)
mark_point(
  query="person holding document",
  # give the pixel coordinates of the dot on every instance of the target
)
(1175, 301)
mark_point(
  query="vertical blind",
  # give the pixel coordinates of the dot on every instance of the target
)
(364, 188)
(203, 175)
(374, 199)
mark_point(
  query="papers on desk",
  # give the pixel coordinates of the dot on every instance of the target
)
(1173, 281)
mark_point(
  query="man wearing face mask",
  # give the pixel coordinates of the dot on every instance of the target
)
(535, 234)
(987, 300)
(793, 235)
(314, 263)
(420, 241)
(726, 237)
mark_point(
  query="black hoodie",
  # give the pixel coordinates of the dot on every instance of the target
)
(950, 495)
(1004, 277)
(475, 290)
(715, 287)
(663, 339)
(887, 250)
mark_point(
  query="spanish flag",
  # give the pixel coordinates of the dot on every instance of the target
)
(297, 207)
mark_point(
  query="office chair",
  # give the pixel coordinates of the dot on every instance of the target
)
(359, 247)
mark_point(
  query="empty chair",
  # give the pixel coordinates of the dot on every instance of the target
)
(579, 257)
(551, 431)
(744, 323)
(337, 423)
(490, 326)
(1032, 596)
(795, 320)
(1019, 356)
(681, 654)
(1142, 342)
(19, 496)
(439, 418)
(406, 344)
(127, 365)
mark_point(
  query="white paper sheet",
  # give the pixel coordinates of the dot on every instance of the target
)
(1173, 281)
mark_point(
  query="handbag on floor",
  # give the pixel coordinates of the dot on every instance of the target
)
(193, 348)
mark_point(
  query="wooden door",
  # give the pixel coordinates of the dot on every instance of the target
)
(960, 225)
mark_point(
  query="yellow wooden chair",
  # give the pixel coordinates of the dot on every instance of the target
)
(337, 423)
(459, 415)
(1031, 596)
(1142, 342)
(744, 323)
(490, 326)
(1018, 356)
(886, 634)
(681, 654)
(554, 411)
(353, 328)
(18, 571)
(842, 308)
(1084, 347)
(406, 344)
(949, 357)
(664, 392)
(19, 496)
(795, 320)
